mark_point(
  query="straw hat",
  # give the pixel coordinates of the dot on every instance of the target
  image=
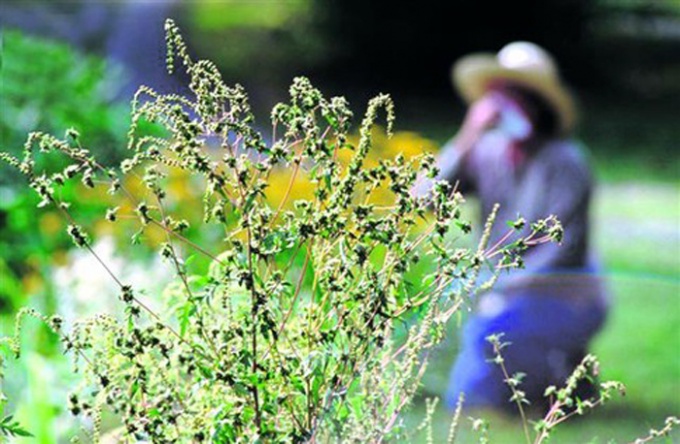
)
(523, 63)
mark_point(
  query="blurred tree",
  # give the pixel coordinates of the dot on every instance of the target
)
(604, 47)
(128, 33)
(412, 45)
(637, 45)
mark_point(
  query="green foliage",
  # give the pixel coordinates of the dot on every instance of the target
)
(10, 428)
(309, 323)
(669, 424)
(290, 335)
(564, 403)
(46, 86)
(237, 14)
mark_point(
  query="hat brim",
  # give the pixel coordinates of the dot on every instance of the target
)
(474, 74)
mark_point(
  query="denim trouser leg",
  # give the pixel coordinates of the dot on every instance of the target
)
(547, 337)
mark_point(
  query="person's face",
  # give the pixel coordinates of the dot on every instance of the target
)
(513, 119)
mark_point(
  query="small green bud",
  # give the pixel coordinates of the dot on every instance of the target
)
(111, 214)
(72, 134)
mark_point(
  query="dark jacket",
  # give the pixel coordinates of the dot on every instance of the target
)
(554, 179)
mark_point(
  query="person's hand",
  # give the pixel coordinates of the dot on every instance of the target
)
(482, 115)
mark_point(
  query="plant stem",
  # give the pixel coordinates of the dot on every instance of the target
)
(295, 297)
(518, 401)
(254, 310)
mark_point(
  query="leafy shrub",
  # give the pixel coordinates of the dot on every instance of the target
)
(313, 320)
(47, 86)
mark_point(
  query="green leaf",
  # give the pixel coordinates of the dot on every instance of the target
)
(13, 428)
(186, 311)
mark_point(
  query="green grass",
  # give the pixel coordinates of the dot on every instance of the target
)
(632, 138)
(637, 232)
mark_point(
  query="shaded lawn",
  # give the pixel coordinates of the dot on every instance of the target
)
(637, 232)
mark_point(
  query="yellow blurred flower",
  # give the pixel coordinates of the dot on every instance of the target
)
(407, 143)
(32, 282)
(180, 188)
(279, 182)
(59, 258)
(51, 223)
(103, 227)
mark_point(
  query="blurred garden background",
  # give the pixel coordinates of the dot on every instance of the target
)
(77, 64)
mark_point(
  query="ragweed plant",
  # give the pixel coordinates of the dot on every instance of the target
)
(564, 403)
(311, 323)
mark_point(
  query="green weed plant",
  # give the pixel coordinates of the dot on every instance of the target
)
(311, 323)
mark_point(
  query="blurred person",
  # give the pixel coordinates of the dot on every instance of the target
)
(515, 148)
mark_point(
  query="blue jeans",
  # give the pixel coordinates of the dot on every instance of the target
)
(548, 337)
